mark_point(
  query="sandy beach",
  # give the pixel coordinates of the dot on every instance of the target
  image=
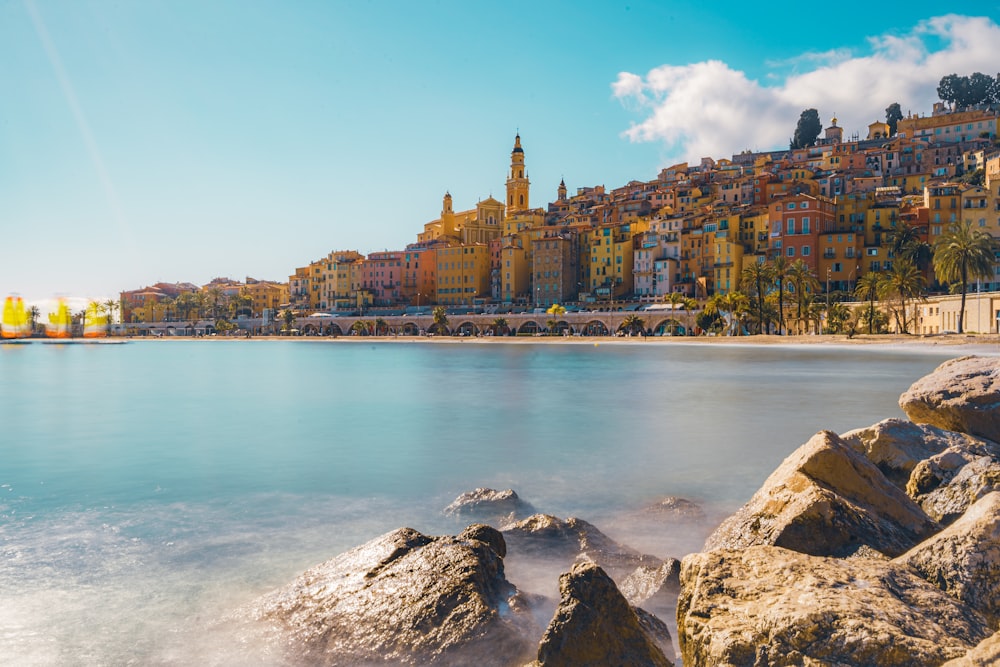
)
(986, 344)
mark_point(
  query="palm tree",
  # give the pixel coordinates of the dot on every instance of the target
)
(381, 327)
(804, 282)
(556, 309)
(440, 318)
(633, 323)
(962, 254)
(904, 281)
(779, 268)
(499, 326)
(757, 278)
(110, 307)
(868, 288)
(34, 313)
(906, 243)
(837, 317)
(289, 318)
(690, 305)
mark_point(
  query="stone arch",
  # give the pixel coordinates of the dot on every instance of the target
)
(529, 328)
(333, 330)
(409, 329)
(467, 328)
(596, 328)
(669, 327)
(309, 329)
(438, 330)
(562, 327)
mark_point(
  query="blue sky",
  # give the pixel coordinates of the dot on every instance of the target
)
(185, 140)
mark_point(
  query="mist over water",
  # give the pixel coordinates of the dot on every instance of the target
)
(148, 489)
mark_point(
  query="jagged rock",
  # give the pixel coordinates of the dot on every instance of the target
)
(964, 559)
(647, 583)
(595, 626)
(986, 654)
(897, 446)
(405, 598)
(826, 499)
(959, 395)
(490, 505)
(548, 536)
(676, 508)
(771, 606)
(966, 484)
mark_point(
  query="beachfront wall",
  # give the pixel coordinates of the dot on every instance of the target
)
(940, 314)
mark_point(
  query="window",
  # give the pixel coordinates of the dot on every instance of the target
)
(873, 252)
(791, 226)
(874, 266)
(791, 205)
(805, 225)
(790, 251)
(805, 251)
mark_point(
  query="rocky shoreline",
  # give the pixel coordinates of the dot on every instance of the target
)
(880, 546)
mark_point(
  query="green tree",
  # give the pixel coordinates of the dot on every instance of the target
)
(837, 318)
(34, 313)
(868, 288)
(288, 317)
(807, 129)
(893, 114)
(780, 271)
(499, 326)
(962, 254)
(756, 279)
(440, 319)
(381, 327)
(804, 283)
(110, 308)
(905, 243)
(904, 281)
(632, 324)
(690, 306)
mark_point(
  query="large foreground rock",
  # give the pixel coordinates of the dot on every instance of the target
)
(986, 654)
(964, 559)
(959, 395)
(406, 598)
(594, 626)
(770, 606)
(897, 446)
(546, 536)
(826, 499)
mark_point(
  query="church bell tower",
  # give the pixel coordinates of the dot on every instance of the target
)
(517, 181)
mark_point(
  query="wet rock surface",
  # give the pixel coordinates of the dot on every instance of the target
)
(405, 598)
(826, 499)
(489, 505)
(594, 626)
(771, 606)
(546, 536)
(960, 395)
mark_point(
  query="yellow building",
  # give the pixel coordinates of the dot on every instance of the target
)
(463, 274)
(949, 127)
(518, 185)
(265, 294)
(338, 277)
(724, 253)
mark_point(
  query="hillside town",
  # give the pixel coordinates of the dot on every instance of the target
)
(760, 242)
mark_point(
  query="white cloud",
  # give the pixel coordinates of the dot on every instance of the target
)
(709, 109)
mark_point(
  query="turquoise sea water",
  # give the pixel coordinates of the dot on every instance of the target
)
(147, 488)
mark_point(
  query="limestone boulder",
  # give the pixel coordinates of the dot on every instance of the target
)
(964, 559)
(986, 654)
(897, 446)
(959, 395)
(594, 626)
(405, 598)
(965, 480)
(548, 537)
(826, 499)
(770, 606)
(489, 505)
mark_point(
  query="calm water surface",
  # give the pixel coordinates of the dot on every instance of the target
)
(147, 488)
